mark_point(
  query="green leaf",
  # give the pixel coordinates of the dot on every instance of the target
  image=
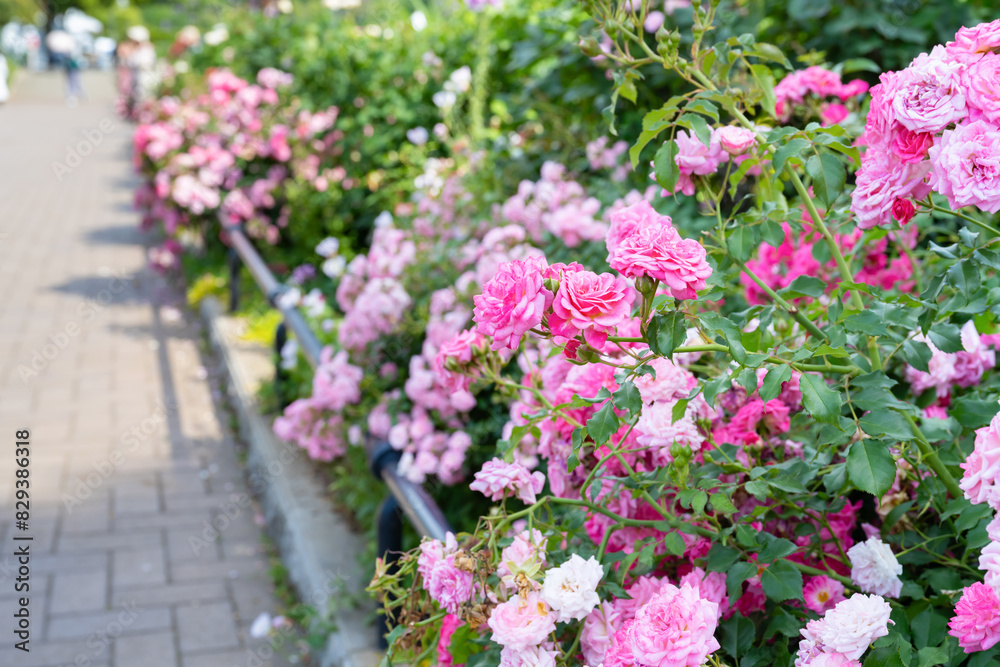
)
(736, 635)
(819, 400)
(887, 656)
(729, 331)
(736, 575)
(765, 81)
(947, 337)
(698, 125)
(865, 322)
(933, 655)
(667, 332)
(870, 467)
(722, 503)
(972, 413)
(782, 623)
(603, 424)
(627, 398)
(675, 544)
(782, 581)
(743, 241)
(665, 167)
(774, 548)
(917, 354)
(886, 423)
(790, 149)
(771, 386)
(828, 176)
(721, 558)
(806, 286)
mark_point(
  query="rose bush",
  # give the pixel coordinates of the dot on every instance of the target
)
(781, 446)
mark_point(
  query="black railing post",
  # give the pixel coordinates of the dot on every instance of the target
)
(390, 546)
(234, 280)
(280, 375)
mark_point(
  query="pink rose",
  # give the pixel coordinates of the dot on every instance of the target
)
(930, 95)
(903, 210)
(497, 478)
(966, 166)
(661, 254)
(735, 140)
(448, 585)
(675, 629)
(512, 302)
(976, 623)
(626, 221)
(456, 354)
(833, 113)
(911, 146)
(853, 89)
(521, 624)
(694, 157)
(970, 42)
(592, 304)
(983, 91)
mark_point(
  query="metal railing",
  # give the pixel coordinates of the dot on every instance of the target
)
(406, 498)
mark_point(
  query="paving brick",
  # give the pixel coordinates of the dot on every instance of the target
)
(207, 626)
(79, 591)
(171, 594)
(131, 620)
(152, 650)
(138, 567)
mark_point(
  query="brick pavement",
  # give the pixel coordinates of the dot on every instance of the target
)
(131, 461)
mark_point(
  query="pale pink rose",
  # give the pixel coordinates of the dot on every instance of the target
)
(598, 629)
(661, 254)
(694, 157)
(675, 629)
(710, 585)
(626, 221)
(974, 359)
(497, 478)
(571, 589)
(448, 585)
(525, 555)
(590, 304)
(512, 302)
(535, 656)
(983, 91)
(874, 568)
(966, 166)
(521, 624)
(880, 182)
(735, 140)
(832, 660)
(854, 624)
(981, 479)
(976, 623)
(930, 94)
(657, 430)
(989, 563)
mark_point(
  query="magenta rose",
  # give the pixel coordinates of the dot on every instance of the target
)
(910, 146)
(661, 254)
(880, 182)
(590, 304)
(512, 302)
(735, 140)
(903, 210)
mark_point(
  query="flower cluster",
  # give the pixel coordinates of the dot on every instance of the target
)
(934, 127)
(230, 153)
(803, 89)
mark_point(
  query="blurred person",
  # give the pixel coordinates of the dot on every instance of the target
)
(74, 87)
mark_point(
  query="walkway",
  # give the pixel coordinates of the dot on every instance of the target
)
(131, 463)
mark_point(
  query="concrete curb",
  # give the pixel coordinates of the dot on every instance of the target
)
(317, 546)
